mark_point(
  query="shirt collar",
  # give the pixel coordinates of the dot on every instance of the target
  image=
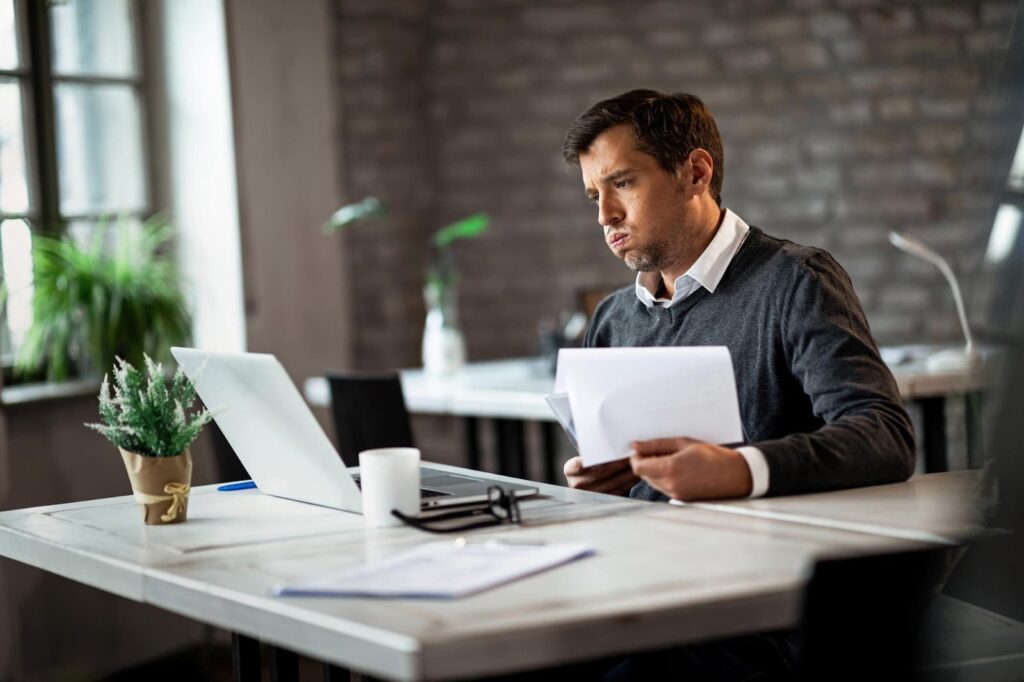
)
(707, 271)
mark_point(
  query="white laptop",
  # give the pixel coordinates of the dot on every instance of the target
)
(280, 443)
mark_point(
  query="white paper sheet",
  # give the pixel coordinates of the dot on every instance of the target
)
(559, 404)
(441, 570)
(618, 395)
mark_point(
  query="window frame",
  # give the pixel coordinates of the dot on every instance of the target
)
(37, 82)
(23, 76)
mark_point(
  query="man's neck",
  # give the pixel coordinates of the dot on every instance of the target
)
(706, 227)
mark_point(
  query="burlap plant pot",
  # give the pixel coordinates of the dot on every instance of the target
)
(160, 485)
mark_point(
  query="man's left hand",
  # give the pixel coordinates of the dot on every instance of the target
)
(687, 469)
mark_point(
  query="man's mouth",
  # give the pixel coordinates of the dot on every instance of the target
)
(617, 240)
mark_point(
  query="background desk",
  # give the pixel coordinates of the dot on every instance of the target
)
(510, 392)
(716, 573)
(506, 392)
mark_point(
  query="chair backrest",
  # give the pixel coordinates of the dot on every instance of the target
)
(864, 615)
(228, 466)
(369, 412)
(588, 298)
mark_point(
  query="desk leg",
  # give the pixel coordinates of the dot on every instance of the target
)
(245, 657)
(933, 417)
(549, 450)
(333, 673)
(472, 443)
(974, 405)
(284, 665)
(511, 448)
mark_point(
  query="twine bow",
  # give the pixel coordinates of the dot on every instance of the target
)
(179, 492)
(176, 492)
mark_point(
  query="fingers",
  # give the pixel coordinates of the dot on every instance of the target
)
(573, 467)
(619, 484)
(647, 466)
(697, 471)
(660, 446)
(660, 472)
(610, 477)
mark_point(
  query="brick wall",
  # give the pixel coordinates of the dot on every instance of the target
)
(842, 119)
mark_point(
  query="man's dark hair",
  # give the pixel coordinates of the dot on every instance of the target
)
(667, 127)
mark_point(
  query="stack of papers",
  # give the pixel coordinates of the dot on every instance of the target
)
(607, 398)
(441, 570)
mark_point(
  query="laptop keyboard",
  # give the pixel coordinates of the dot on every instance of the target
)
(424, 492)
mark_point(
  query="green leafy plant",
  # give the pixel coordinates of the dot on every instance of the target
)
(442, 273)
(353, 213)
(147, 414)
(92, 303)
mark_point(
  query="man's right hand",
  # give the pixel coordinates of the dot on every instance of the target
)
(614, 478)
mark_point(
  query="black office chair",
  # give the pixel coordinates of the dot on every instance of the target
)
(863, 617)
(227, 466)
(369, 412)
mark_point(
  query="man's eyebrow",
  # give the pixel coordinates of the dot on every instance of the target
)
(621, 173)
(610, 178)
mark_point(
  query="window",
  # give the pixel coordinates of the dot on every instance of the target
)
(1016, 181)
(73, 142)
(1004, 256)
(1006, 227)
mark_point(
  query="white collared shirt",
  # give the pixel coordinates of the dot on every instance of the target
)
(707, 272)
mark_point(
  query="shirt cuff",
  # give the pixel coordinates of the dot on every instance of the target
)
(758, 470)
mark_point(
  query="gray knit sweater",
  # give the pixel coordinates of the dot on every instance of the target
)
(815, 396)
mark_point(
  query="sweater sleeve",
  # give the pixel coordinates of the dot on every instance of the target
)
(867, 437)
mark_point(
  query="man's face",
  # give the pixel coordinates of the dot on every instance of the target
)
(642, 207)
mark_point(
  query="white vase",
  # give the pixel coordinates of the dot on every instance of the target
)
(444, 350)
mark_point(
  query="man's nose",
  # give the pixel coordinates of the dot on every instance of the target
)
(609, 211)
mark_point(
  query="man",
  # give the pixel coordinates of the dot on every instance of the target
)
(820, 410)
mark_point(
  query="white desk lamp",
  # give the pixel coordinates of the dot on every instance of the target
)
(950, 359)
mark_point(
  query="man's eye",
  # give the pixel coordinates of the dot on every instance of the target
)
(592, 198)
(622, 184)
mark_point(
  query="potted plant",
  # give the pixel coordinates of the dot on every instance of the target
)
(444, 349)
(96, 301)
(147, 418)
(443, 345)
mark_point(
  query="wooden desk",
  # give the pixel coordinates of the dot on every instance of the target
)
(661, 575)
(512, 391)
(931, 508)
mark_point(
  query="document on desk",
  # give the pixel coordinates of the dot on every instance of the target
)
(441, 570)
(619, 395)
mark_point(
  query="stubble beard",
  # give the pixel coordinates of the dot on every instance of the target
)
(643, 260)
(659, 255)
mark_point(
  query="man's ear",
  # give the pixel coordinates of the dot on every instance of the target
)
(696, 171)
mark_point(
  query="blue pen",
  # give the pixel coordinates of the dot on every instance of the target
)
(241, 485)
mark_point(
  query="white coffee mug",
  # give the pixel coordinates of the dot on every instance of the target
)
(390, 479)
